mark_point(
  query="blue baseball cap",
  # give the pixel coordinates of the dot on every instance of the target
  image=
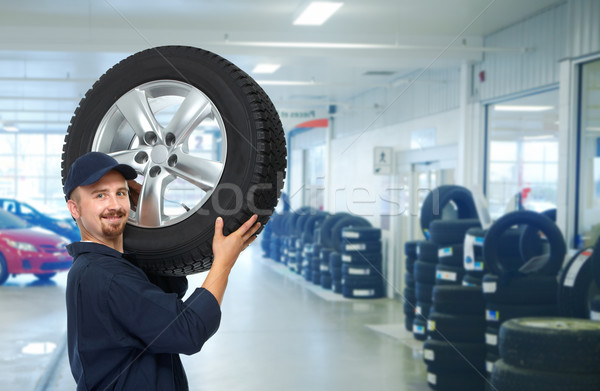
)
(92, 166)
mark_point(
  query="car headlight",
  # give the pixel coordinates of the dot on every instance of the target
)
(23, 246)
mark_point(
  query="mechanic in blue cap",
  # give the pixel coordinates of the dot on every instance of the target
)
(126, 329)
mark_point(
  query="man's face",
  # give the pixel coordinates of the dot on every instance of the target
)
(103, 208)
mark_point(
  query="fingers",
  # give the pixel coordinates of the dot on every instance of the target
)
(219, 227)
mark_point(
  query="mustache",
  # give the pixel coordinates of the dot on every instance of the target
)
(119, 213)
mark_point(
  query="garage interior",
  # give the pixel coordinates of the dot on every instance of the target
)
(382, 103)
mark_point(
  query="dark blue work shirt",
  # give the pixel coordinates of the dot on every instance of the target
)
(124, 331)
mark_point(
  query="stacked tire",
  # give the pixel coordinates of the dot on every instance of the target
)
(361, 256)
(454, 350)
(424, 276)
(550, 354)
(409, 299)
(514, 287)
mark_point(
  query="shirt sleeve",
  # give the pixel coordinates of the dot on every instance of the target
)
(159, 321)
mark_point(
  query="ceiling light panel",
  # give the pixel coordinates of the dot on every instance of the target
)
(317, 13)
(532, 109)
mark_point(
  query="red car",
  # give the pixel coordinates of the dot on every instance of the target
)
(26, 249)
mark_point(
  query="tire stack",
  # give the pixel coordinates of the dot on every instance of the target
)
(424, 277)
(514, 288)
(576, 286)
(335, 268)
(409, 298)
(455, 351)
(361, 256)
(550, 354)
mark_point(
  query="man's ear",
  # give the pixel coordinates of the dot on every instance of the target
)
(74, 209)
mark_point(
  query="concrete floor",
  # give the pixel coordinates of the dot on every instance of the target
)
(278, 332)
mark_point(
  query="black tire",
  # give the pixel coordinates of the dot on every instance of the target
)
(409, 280)
(361, 234)
(457, 356)
(427, 252)
(450, 232)
(360, 271)
(490, 361)
(458, 300)
(410, 249)
(449, 380)
(423, 291)
(422, 308)
(596, 262)
(360, 247)
(183, 245)
(336, 285)
(439, 197)
(362, 287)
(336, 231)
(326, 228)
(326, 281)
(424, 272)
(408, 323)
(451, 255)
(595, 309)
(551, 344)
(542, 223)
(507, 377)
(362, 259)
(409, 264)
(312, 222)
(576, 286)
(3, 270)
(419, 328)
(473, 279)
(335, 260)
(491, 340)
(530, 243)
(520, 290)
(449, 275)
(464, 328)
(497, 314)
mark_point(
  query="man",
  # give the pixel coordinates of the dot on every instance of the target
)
(124, 331)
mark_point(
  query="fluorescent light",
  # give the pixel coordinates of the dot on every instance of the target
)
(522, 108)
(266, 68)
(593, 128)
(317, 13)
(10, 128)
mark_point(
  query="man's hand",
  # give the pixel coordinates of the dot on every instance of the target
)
(134, 193)
(226, 250)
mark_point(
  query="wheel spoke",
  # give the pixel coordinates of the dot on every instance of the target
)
(150, 206)
(136, 110)
(203, 173)
(133, 158)
(194, 109)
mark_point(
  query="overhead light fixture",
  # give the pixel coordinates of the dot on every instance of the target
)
(266, 68)
(593, 128)
(531, 109)
(10, 128)
(317, 13)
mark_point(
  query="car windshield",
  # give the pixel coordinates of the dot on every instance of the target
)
(10, 221)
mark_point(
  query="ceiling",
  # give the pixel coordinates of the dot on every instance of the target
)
(52, 52)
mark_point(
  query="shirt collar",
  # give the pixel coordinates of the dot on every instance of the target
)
(77, 248)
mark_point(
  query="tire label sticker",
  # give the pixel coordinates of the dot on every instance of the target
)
(363, 292)
(491, 339)
(445, 252)
(594, 315)
(356, 246)
(431, 325)
(418, 329)
(431, 378)
(446, 276)
(324, 268)
(575, 267)
(359, 272)
(350, 235)
(418, 310)
(346, 258)
(489, 287)
(489, 366)
(492, 315)
(429, 355)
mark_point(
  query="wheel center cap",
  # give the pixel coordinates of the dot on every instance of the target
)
(159, 154)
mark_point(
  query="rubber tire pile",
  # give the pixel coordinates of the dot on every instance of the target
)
(339, 252)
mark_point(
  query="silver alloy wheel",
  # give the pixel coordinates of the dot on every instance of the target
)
(161, 129)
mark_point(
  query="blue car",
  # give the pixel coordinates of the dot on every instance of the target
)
(63, 227)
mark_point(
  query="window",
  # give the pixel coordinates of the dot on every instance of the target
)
(588, 227)
(522, 165)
